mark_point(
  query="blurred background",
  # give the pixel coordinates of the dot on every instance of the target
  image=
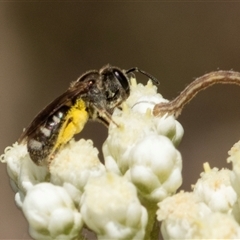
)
(44, 46)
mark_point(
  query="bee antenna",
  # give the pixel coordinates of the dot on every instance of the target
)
(136, 69)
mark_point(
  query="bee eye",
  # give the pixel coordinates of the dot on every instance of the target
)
(122, 79)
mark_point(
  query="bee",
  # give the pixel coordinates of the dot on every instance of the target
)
(93, 96)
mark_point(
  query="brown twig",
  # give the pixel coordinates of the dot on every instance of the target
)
(175, 106)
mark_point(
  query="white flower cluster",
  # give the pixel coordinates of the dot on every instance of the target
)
(204, 213)
(119, 199)
(142, 165)
(140, 177)
(142, 148)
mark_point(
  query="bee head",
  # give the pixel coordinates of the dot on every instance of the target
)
(115, 84)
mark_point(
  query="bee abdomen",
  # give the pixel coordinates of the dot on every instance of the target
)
(42, 143)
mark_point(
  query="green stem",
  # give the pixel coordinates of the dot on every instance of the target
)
(152, 229)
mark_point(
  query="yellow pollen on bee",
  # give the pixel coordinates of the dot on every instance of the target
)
(74, 122)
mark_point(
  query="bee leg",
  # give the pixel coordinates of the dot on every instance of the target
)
(106, 118)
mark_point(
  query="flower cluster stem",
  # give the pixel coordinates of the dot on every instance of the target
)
(175, 106)
(152, 228)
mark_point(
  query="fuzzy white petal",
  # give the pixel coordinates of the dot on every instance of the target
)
(169, 127)
(51, 213)
(215, 189)
(154, 164)
(76, 162)
(111, 208)
(122, 138)
(217, 226)
(143, 97)
(235, 159)
(13, 156)
(31, 174)
(180, 215)
(23, 173)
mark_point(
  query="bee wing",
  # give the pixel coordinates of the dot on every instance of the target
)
(64, 99)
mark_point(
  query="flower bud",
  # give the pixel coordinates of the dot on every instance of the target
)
(51, 213)
(111, 208)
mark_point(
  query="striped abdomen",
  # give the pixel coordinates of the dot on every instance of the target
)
(42, 144)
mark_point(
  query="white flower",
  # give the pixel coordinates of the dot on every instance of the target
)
(235, 159)
(72, 167)
(215, 189)
(31, 174)
(111, 208)
(155, 167)
(217, 226)
(141, 146)
(13, 157)
(132, 127)
(185, 216)
(51, 213)
(142, 163)
(180, 215)
(23, 173)
(143, 97)
(169, 127)
(235, 176)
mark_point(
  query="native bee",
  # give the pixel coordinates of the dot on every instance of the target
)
(94, 95)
